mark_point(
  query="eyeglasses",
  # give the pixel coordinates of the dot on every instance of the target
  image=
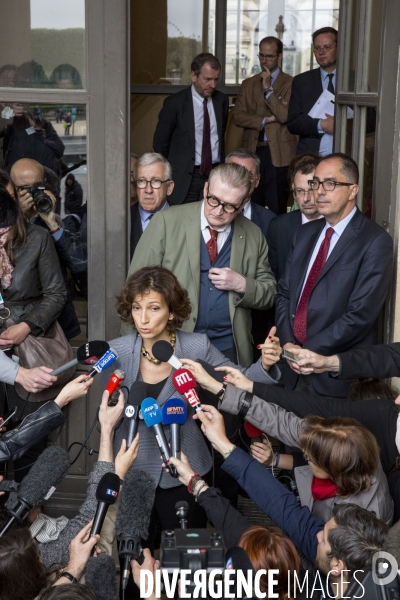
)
(155, 183)
(300, 193)
(328, 186)
(318, 49)
(267, 56)
(228, 208)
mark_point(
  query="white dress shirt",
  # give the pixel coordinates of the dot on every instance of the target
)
(223, 232)
(337, 232)
(326, 143)
(198, 128)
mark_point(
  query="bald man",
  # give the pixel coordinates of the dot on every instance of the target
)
(71, 253)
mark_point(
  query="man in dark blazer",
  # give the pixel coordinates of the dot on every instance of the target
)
(153, 179)
(316, 135)
(337, 277)
(185, 117)
(281, 230)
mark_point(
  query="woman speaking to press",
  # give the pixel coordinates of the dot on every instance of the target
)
(154, 302)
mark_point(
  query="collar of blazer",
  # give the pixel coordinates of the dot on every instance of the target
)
(348, 235)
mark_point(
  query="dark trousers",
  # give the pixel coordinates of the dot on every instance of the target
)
(273, 189)
(196, 187)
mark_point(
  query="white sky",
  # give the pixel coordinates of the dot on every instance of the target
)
(57, 14)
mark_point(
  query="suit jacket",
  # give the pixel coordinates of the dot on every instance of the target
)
(136, 228)
(173, 240)
(378, 361)
(261, 217)
(346, 299)
(250, 110)
(306, 89)
(174, 137)
(287, 428)
(280, 239)
(195, 346)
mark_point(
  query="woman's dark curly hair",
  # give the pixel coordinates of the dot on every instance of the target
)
(157, 279)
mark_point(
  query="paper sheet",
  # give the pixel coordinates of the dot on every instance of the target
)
(325, 105)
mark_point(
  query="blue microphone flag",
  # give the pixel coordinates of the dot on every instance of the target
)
(174, 411)
(151, 412)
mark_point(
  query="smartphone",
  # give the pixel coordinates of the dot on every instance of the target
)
(290, 356)
(8, 417)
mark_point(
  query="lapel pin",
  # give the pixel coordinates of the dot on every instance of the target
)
(240, 237)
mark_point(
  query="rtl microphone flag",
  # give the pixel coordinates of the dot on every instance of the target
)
(185, 384)
(153, 418)
(174, 414)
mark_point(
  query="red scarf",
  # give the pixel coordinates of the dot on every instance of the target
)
(322, 489)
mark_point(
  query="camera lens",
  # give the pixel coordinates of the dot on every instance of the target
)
(42, 201)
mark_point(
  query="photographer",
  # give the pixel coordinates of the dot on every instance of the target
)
(72, 254)
(31, 136)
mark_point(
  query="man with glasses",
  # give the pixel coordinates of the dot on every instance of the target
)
(152, 177)
(282, 229)
(337, 277)
(219, 257)
(262, 110)
(316, 135)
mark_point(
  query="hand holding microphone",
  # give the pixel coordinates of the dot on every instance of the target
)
(213, 427)
(113, 386)
(185, 384)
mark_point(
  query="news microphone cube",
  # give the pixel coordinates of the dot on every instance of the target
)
(174, 411)
(252, 431)
(151, 412)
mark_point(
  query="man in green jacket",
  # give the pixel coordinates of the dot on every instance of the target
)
(219, 256)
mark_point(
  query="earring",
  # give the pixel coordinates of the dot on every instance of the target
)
(170, 317)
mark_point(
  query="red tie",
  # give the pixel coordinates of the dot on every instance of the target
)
(212, 245)
(206, 157)
(300, 319)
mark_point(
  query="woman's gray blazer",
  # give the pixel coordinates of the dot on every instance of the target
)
(188, 345)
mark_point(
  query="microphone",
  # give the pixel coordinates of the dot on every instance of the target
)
(133, 517)
(113, 386)
(174, 414)
(101, 577)
(137, 393)
(217, 375)
(106, 494)
(254, 433)
(38, 485)
(105, 361)
(152, 416)
(185, 384)
(87, 354)
(164, 351)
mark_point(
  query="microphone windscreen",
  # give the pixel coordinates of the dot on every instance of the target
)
(101, 577)
(252, 431)
(138, 392)
(108, 488)
(174, 411)
(91, 352)
(217, 375)
(162, 350)
(49, 469)
(183, 380)
(151, 412)
(136, 503)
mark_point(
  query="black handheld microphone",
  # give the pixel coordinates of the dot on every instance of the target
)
(237, 559)
(87, 354)
(38, 485)
(164, 351)
(106, 494)
(174, 414)
(133, 517)
(101, 577)
(137, 393)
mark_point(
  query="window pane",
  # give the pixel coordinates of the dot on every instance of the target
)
(54, 136)
(372, 45)
(42, 44)
(166, 36)
(369, 157)
(248, 23)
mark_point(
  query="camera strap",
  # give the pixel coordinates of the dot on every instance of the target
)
(4, 311)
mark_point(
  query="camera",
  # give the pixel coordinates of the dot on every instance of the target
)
(41, 201)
